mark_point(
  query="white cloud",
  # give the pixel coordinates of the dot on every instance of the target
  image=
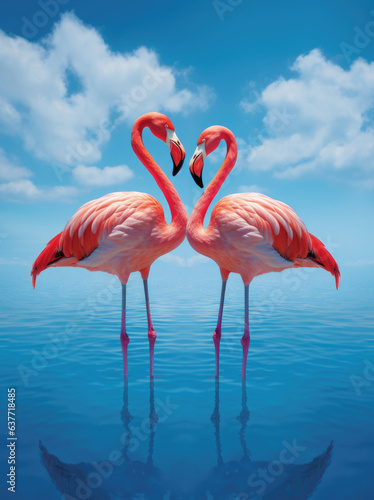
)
(25, 190)
(15, 261)
(177, 260)
(17, 186)
(361, 262)
(366, 183)
(10, 171)
(21, 189)
(9, 117)
(196, 259)
(320, 121)
(187, 101)
(253, 188)
(94, 176)
(65, 94)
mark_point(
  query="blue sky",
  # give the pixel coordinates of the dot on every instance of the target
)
(293, 81)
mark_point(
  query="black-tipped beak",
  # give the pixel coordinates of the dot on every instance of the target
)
(197, 179)
(196, 169)
(177, 166)
(178, 155)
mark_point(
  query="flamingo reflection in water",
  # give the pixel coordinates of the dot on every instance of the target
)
(120, 477)
(245, 479)
(125, 478)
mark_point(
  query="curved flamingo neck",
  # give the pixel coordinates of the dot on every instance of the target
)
(201, 207)
(178, 211)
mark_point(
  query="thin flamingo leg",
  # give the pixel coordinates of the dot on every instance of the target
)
(124, 337)
(217, 331)
(246, 338)
(151, 331)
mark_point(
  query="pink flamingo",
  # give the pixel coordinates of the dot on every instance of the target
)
(249, 234)
(121, 233)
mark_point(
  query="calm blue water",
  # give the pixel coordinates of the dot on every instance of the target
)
(301, 427)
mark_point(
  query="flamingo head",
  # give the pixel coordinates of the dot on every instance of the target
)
(177, 151)
(207, 142)
(162, 127)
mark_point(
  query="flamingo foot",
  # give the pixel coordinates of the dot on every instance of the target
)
(152, 339)
(217, 340)
(125, 339)
(245, 343)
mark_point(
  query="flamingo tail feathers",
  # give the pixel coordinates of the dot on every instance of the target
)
(322, 257)
(48, 256)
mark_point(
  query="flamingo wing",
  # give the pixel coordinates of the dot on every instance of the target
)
(117, 219)
(256, 224)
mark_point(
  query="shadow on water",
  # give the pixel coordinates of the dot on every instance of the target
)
(123, 478)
